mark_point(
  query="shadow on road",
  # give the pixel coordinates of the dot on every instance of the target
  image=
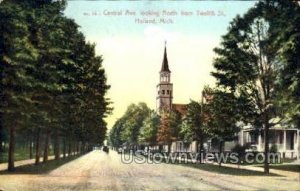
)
(227, 170)
(42, 168)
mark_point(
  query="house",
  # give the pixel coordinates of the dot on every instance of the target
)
(286, 140)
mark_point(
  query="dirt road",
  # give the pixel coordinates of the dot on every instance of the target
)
(99, 171)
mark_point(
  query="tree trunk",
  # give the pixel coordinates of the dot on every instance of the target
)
(64, 148)
(266, 135)
(169, 147)
(37, 147)
(220, 151)
(46, 148)
(81, 147)
(11, 151)
(1, 138)
(77, 147)
(74, 146)
(69, 147)
(201, 150)
(1, 147)
(30, 147)
(56, 146)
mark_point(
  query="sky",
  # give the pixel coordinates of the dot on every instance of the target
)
(132, 45)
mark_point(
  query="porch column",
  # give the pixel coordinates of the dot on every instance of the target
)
(259, 141)
(298, 144)
(242, 137)
(284, 140)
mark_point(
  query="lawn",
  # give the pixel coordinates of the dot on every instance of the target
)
(286, 167)
(20, 154)
(226, 170)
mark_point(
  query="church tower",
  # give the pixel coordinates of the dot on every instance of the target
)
(165, 87)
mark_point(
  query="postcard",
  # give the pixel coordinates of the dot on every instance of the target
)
(149, 95)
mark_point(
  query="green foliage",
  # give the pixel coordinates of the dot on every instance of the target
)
(127, 128)
(175, 124)
(288, 39)
(51, 78)
(149, 129)
(221, 113)
(115, 133)
(192, 127)
(186, 131)
(135, 116)
(241, 150)
(273, 149)
(258, 63)
(140, 125)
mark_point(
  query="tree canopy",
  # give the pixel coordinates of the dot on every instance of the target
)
(52, 81)
(253, 58)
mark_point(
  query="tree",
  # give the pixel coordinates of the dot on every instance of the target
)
(115, 133)
(149, 129)
(165, 133)
(52, 82)
(175, 123)
(127, 128)
(17, 56)
(222, 115)
(192, 126)
(249, 59)
(135, 115)
(288, 38)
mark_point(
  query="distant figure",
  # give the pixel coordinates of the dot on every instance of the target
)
(106, 149)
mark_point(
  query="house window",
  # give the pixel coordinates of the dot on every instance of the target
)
(158, 92)
(168, 92)
(163, 92)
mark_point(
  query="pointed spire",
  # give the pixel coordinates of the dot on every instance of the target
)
(165, 65)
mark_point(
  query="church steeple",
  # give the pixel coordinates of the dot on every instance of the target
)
(165, 65)
(165, 87)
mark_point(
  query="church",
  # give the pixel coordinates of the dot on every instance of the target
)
(164, 102)
(164, 99)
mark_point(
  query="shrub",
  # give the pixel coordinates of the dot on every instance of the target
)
(273, 149)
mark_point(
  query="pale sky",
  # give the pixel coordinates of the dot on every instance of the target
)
(133, 52)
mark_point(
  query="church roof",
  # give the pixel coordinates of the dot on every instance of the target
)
(181, 108)
(165, 65)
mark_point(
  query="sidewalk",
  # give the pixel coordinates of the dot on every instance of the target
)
(3, 166)
(261, 169)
